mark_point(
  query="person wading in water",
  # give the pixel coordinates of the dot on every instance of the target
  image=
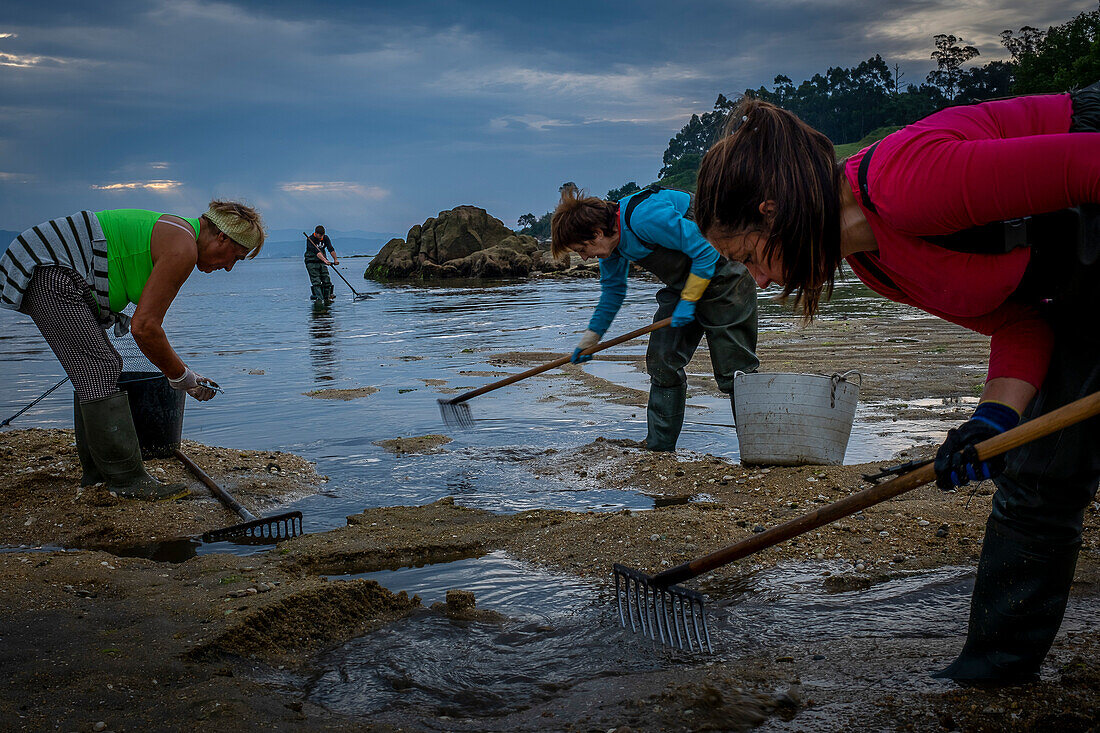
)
(704, 293)
(317, 264)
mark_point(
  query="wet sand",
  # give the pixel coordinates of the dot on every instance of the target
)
(432, 443)
(226, 640)
(341, 394)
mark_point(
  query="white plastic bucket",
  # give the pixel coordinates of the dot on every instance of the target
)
(794, 419)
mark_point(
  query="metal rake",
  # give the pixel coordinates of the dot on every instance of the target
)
(672, 615)
(456, 413)
(254, 530)
(263, 531)
(657, 601)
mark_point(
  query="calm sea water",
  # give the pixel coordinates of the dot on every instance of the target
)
(256, 332)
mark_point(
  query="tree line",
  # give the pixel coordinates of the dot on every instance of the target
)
(871, 99)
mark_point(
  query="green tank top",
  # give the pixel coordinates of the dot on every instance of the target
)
(129, 233)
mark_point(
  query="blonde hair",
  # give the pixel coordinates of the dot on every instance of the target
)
(239, 222)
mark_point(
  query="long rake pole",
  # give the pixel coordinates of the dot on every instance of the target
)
(561, 361)
(34, 402)
(1039, 427)
(223, 496)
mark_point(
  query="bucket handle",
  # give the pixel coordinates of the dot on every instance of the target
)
(837, 378)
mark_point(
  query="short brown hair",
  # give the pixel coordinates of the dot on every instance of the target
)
(768, 154)
(580, 218)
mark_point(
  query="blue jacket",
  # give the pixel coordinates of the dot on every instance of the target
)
(659, 220)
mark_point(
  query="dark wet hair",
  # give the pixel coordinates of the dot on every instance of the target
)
(768, 154)
(319, 229)
(580, 218)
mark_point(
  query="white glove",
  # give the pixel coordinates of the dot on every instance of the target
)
(590, 338)
(199, 387)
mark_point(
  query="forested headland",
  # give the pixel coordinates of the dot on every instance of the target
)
(856, 106)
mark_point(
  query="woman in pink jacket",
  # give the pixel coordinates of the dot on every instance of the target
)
(986, 216)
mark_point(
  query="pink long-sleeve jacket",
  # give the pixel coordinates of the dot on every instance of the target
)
(963, 167)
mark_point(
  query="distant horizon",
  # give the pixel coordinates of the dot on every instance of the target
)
(372, 117)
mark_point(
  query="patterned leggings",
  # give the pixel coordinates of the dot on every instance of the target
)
(55, 300)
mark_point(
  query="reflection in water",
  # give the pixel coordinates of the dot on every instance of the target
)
(415, 344)
(322, 346)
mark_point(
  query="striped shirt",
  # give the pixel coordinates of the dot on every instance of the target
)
(76, 242)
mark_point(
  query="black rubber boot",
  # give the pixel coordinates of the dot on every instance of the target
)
(113, 444)
(90, 474)
(328, 293)
(665, 416)
(1019, 599)
(317, 293)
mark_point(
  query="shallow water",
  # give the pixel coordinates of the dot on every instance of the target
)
(256, 333)
(231, 326)
(563, 632)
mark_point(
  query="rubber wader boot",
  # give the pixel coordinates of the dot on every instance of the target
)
(665, 415)
(328, 293)
(1018, 603)
(113, 443)
(318, 293)
(90, 474)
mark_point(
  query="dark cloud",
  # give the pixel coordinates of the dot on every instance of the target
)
(403, 109)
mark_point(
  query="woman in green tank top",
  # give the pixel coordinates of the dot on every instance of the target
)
(74, 276)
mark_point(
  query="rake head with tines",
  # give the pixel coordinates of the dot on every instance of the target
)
(262, 531)
(672, 614)
(253, 530)
(456, 414)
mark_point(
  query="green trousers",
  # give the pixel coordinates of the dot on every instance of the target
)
(319, 282)
(726, 315)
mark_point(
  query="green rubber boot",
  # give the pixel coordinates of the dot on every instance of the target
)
(112, 441)
(90, 474)
(665, 416)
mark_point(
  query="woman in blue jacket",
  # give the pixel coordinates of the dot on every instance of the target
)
(704, 293)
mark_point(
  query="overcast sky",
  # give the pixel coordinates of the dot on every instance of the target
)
(374, 116)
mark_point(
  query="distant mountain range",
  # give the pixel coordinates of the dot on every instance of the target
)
(291, 243)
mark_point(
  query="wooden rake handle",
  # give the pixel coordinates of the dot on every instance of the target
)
(1039, 427)
(558, 362)
(224, 496)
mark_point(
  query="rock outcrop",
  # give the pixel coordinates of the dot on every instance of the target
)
(463, 242)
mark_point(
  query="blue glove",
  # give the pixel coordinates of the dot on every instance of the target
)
(578, 357)
(957, 461)
(683, 314)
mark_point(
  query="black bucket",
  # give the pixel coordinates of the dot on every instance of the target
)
(157, 411)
